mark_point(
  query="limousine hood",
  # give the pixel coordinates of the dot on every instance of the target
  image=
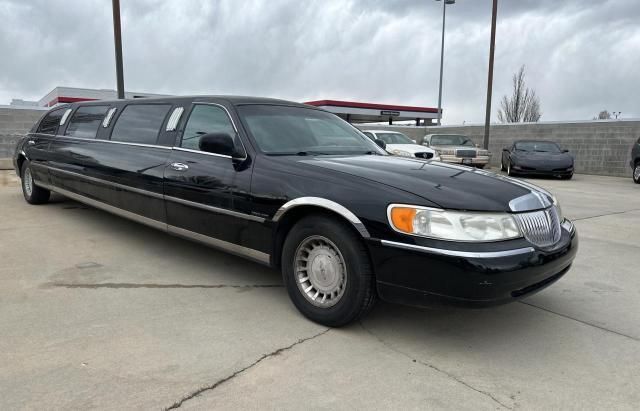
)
(447, 185)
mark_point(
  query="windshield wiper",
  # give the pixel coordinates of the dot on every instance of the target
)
(299, 153)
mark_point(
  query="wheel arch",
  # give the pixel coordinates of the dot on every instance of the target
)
(22, 157)
(293, 211)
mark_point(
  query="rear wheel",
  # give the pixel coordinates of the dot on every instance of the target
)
(327, 271)
(636, 173)
(502, 168)
(31, 192)
(509, 171)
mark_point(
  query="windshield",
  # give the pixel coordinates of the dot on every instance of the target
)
(282, 130)
(539, 146)
(451, 140)
(394, 138)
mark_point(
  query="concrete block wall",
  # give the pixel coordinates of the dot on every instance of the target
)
(599, 147)
(15, 123)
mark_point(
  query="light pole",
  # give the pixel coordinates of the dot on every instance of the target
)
(117, 40)
(444, 14)
(492, 49)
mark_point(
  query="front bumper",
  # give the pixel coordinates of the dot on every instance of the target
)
(479, 160)
(559, 172)
(415, 275)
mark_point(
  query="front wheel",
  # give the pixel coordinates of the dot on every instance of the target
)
(636, 174)
(327, 271)
(31, 192)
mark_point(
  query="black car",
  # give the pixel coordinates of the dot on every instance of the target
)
(297, 188)
(635, 161)
(534, 157)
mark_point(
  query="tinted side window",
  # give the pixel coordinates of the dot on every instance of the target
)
(85, 121)
(205, 119)
(50, 122)
(140, 123)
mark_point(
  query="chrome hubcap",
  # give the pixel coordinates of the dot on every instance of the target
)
(636, 173)
(28, 182)
(321, 273)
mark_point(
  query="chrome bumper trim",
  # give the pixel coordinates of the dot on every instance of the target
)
(456, 253)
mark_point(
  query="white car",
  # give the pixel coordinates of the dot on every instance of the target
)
(399, 144)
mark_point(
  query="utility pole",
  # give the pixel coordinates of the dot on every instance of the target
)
(487, 119)
(117, 38)
(444, 14)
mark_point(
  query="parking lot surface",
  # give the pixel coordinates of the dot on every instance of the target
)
(100, 312)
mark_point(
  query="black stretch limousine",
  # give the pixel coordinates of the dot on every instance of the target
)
(295, 187)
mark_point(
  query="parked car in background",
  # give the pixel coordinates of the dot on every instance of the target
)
(635, 161)
(400, 145)
(299, 189)
(534, 157)
(455, 148)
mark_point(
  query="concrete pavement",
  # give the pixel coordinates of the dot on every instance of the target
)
(99, 312)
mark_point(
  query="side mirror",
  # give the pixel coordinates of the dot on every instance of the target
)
(380, 143)
(218, 143)
(565, 151)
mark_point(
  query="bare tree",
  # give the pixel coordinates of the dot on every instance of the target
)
(523, 105)
(603, 115)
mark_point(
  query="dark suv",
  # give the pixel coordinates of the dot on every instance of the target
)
(635, 161)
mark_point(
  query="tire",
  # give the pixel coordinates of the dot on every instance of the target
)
(31, 192)
(502, 168)
(509, 172)
(636, 173)
(569, 177)
(339, 275)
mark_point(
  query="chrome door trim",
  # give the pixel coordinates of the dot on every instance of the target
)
(200, 152)
(104, 206)
(215, 209)
(65, 116)
(95, 140)
(456, 253)
(106, 182)
(107, 119)
(236, 249)
(327, 204)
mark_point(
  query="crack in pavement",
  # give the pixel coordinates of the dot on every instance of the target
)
(216, 384)
(143, 285)
(433, 367)
(580, 321)
(605, 215)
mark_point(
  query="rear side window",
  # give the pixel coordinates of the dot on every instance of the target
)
(50, 122)
(85, 121)
(140, 123)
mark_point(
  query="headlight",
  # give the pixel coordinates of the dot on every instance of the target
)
(435, 157)
(557, 204)
(447, 151)
(452, 225)
(484, 153)
(401, 153)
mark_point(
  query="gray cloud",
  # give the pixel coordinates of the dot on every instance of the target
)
(581, 56)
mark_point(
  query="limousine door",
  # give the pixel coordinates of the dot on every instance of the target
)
(200, 187)
(109, 154)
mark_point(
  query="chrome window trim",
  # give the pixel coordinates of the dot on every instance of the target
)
(65, 116)
(174, 118)
(323, 203)
(456, 253)
(236, 249)
(107, 118)
(201, 152)
(233, 124)
(97, 140)
(215, 209)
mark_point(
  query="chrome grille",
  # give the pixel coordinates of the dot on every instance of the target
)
(424, 155)
(541, 228)
(466, 153)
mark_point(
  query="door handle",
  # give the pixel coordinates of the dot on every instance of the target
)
(31, 142)
(179, 166)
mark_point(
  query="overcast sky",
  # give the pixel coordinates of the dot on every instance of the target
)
(582, 56)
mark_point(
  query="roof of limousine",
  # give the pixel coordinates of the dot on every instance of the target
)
(235, 100)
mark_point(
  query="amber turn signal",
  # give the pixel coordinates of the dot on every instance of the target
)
(402, 218)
